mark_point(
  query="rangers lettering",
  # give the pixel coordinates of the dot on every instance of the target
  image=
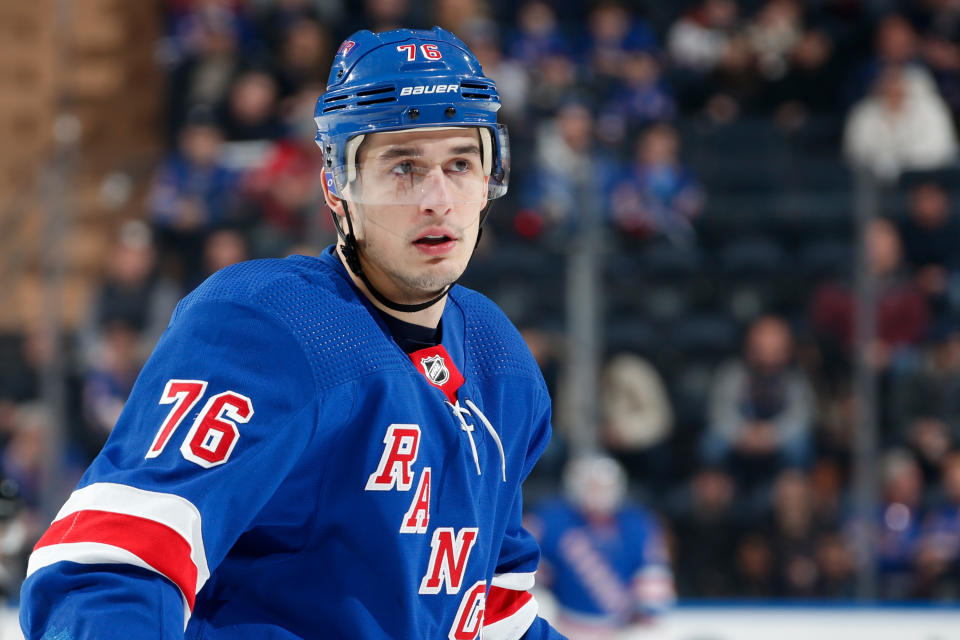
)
(402, 445)
(448, 559)
(469, 620)
(417, 517)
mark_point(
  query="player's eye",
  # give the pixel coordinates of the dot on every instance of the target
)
(461, 165)
(404, 168)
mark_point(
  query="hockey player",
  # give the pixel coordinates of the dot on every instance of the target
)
(606, 559)
(332, 446)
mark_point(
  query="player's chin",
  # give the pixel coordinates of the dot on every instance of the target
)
(439, 276)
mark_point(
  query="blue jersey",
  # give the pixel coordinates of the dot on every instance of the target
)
(604, 574)
(284, 470)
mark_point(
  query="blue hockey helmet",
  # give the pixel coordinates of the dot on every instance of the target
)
(407, 79)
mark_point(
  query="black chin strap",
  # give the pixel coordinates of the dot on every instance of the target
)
(352, 255)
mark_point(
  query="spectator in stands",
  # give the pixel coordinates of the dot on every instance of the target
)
(383, 15)
(109, 380)
(773, 33)
(810, 84)
(902, 311)
(512, 79)
(931, 236)
(282, 197)
(604, 559)
(638, 98)
(206, 48)
(537, 33)
(940, 47)
(895, 44)
(569, 172)
(457, 15)
(193, 23)
(17, 530)
(925, 402)
(303, 58)
(637, 418)
(659, 194)
(35, 351)
(715, 63)
(795, 532)
(903, 125)
(275, 18)
(699, 40)
(26, 458)
(754, 566)
(901, 512)
(828, 491)
(132, 289)
(555, 81)
(22, 369)
(613, 34)
(193, 191)
(705, 521)
(762, 408)
(250, 112)
(223, 248)
(836, 567)
(546, 351)
(938, 549)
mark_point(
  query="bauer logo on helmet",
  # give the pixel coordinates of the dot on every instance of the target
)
(419, 89)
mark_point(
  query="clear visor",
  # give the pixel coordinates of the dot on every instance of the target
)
(429, 175)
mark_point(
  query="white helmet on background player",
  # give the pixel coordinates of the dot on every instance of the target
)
(595, 484)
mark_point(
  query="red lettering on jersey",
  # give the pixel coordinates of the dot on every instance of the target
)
(418, 515)
(402, 444)
(448, 559)
(469, 620)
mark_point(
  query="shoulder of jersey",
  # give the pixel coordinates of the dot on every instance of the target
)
(257, 281)
(315, 302)
(495, 346)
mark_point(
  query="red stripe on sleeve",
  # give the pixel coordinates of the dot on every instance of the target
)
(156, 544)
(503, 603)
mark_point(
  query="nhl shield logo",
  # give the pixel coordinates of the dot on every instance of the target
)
(435, 369)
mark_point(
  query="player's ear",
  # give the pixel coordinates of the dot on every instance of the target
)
(335, 203)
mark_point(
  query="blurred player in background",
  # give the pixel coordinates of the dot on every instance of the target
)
(332, 446)
(604, 559)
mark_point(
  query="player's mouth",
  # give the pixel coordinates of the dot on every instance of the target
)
(435, 242)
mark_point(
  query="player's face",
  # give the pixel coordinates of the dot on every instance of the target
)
(416, 207)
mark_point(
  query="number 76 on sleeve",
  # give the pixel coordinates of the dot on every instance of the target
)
(214, 432)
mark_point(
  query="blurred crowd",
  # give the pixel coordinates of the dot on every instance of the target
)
(730, 309)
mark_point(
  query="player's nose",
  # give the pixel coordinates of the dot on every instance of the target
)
(437, 194)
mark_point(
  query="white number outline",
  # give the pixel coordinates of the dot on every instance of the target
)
(226, 418)
(183, 401)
